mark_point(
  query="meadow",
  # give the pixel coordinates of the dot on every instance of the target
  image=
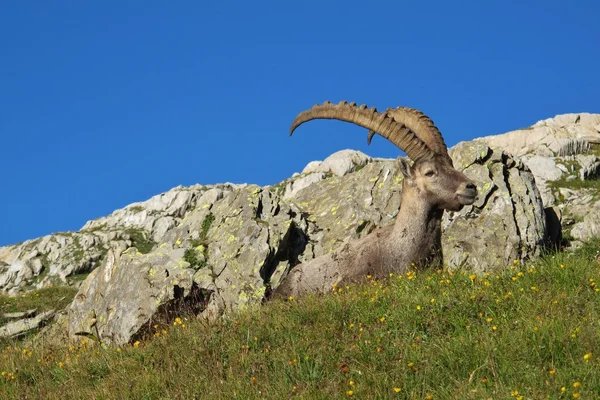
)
(531, 331)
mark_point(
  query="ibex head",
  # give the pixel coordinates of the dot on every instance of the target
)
(432, 176)
(438, 183)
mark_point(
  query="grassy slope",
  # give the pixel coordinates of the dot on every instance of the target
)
(53, 298)
(532, 332)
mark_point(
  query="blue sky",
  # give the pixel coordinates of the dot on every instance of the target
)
(104, 104)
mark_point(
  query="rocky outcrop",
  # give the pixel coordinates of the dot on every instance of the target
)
(237, 244)
(555, 149)
(563, 135)
(563, 154)
(126, 292)
(506, 223)
(589, 225)
(221, 257)
(62, 258)
(589, 166)
(53, 258)
(156, 216)
(339, 163)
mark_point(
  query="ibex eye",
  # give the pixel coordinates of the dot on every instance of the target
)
(430, 173)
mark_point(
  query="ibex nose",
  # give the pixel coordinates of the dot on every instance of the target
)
(471, 186)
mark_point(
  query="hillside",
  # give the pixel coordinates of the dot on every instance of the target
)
(223, 247)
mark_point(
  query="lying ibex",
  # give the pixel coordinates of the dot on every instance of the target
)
(431, 185)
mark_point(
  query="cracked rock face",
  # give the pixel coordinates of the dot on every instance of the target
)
(252, 240)
(56, 258)
(554, 149)
(506, 223)
(61, 257)
(123, 294)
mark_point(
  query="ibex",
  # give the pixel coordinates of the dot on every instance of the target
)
(431, 185)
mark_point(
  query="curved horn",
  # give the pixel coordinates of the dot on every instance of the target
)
(398, 132)
(422, 126)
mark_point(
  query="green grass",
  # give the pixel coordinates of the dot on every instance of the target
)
(52, 298)
(136, 209)
(574, 184)
(141, 240)
(525, 332)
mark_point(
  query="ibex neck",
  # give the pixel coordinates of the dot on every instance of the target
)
(417, 220)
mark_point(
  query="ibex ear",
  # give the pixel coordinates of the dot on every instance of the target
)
(406, 170)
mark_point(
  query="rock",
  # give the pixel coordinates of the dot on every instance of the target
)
(21, 314)
(548, 146)
(544, 168)
(21, 327)
(562, 135)
(118, 298)
(212, 269)
(168, 206)
(349, 207)
(256, 237)
(53, 258)
(339, 163)
(508, 223)
(300, 182)
(590, 226)
(589, 166)
(313, 166)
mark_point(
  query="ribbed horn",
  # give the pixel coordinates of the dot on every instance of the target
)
(399, 133)
(422, 126)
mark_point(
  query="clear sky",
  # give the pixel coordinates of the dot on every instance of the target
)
(106, 103)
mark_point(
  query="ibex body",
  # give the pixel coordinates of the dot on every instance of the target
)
(431, 185)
